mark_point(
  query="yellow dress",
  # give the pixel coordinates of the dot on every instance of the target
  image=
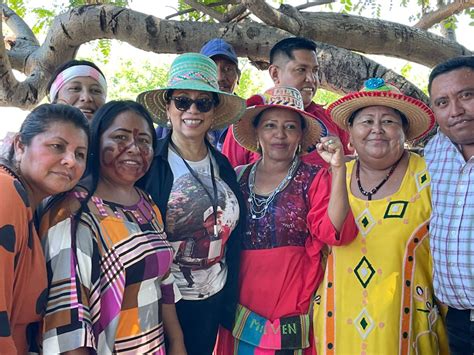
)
(377, 292)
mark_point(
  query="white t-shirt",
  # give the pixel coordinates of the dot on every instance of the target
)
(199, 265)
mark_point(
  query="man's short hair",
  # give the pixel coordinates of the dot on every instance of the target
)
(288, 45)
(450, 65)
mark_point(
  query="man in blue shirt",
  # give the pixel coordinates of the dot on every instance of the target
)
(450, 159)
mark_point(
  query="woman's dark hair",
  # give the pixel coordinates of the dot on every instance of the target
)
(450, 65)
(64, 66)
(287, 46)
(103, 119)
(41, 119)
(405, 123)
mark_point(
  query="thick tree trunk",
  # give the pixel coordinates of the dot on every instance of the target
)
(371, 36)
(341, 70)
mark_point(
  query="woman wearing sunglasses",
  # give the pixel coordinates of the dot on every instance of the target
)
(196, 190)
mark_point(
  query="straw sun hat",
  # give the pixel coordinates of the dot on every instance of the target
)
(193, 71)
(277, 97)
(378, 93)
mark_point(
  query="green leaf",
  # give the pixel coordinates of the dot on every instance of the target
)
(325, 97)
(18, 6)
(406, 69)
(251, 80)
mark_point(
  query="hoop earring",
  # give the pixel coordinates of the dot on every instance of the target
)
(16, 165)
(298, 149)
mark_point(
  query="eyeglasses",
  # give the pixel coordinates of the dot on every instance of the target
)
(183, 103)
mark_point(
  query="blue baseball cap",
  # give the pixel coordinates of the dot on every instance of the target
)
(218, 46)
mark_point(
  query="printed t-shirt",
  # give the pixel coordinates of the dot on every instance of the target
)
(199, 263)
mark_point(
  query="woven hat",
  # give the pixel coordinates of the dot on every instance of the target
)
(194, 71)
(277, 97)
(378, 93)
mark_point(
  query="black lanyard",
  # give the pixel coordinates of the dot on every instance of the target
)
(214, 198)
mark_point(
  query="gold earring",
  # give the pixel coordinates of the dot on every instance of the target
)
(298, 149)
(16, 164)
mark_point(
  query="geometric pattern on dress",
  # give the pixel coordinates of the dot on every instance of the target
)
(396, 209)
(364, 271)
(365, 222)
(86, 302)
(364, 323)
(422, 179)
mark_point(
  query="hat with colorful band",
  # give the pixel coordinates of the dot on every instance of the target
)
(277, 97)
(193, 71)
(378, 93)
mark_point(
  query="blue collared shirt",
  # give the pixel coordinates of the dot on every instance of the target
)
(452, 222)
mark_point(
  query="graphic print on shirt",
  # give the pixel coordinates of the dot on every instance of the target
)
(190, 219)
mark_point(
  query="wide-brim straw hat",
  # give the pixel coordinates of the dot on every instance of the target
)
(277, 97)
(378, 93)
(193, 71)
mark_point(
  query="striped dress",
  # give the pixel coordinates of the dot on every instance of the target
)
(106, 284)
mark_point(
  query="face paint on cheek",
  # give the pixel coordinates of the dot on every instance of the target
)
(108, 156)
(144, 152)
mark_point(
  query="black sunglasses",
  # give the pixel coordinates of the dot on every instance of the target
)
(183, 103)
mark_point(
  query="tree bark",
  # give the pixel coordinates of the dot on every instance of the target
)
(443, 12)
(361, 34)
(341, 70)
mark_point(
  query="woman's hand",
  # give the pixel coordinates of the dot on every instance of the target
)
(173, 330)
(331, 150)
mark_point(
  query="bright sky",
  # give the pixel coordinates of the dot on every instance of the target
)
(12, 117)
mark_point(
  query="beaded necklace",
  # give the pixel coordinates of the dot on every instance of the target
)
(259, 205)
(376, 188)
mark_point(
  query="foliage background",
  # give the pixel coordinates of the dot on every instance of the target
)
(130, 71)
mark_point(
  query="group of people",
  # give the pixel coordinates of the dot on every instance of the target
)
(260, 226)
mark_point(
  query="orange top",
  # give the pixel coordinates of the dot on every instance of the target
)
(23, 281)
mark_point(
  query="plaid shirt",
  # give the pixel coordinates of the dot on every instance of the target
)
(452, 222)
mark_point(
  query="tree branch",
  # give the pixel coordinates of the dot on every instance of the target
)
(23, 41)
(341, 70)
(314, 3)
(372, 36)
(214, 4)
(205, 10)
(434, 17)
(11, 90)
(235, 12)
(271, 16)
(6, 74)
(17, 25)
